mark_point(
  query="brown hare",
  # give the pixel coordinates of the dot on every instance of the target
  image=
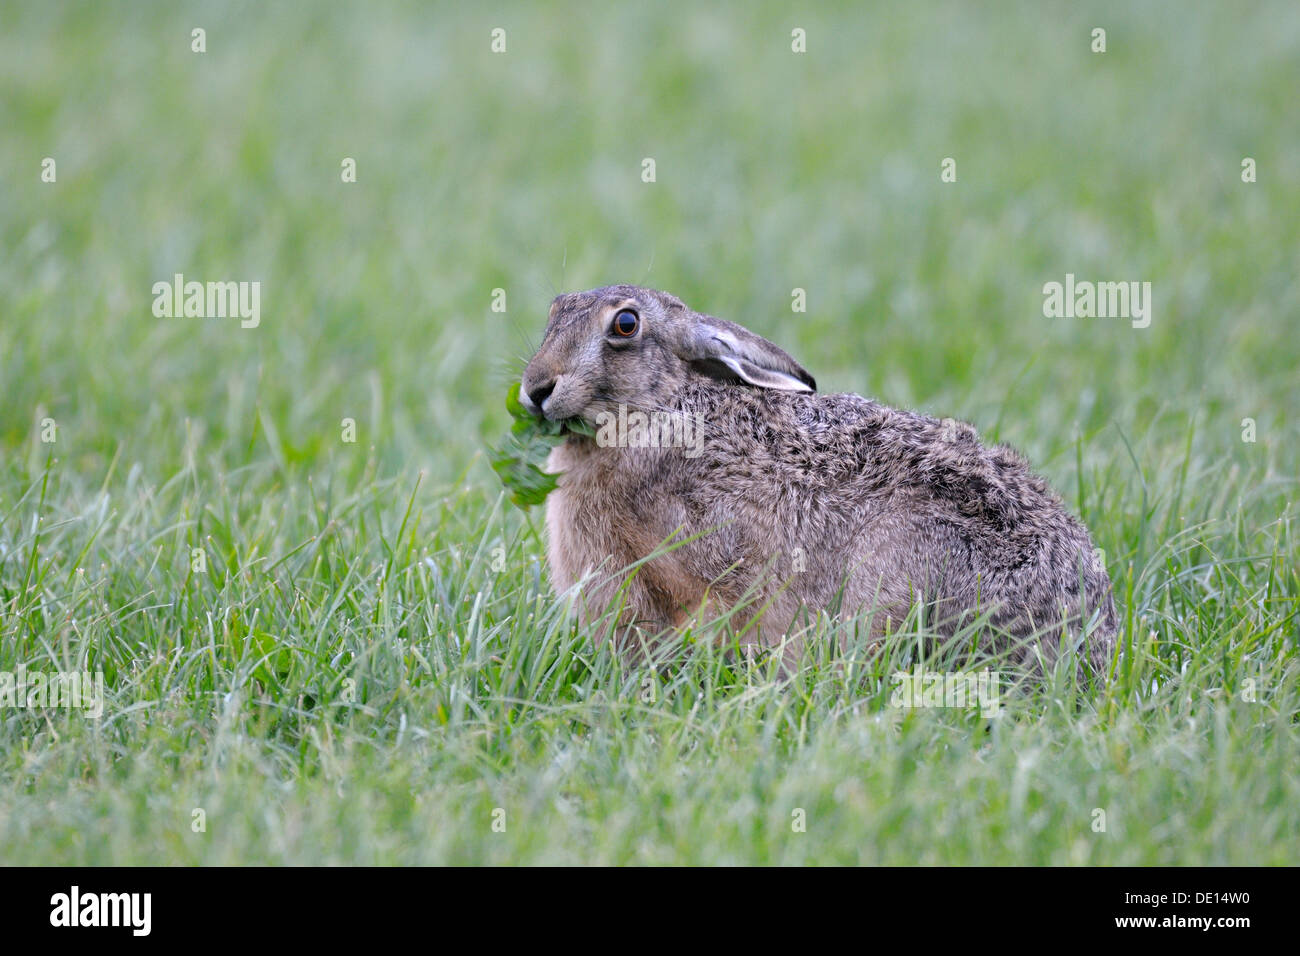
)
(792, 501)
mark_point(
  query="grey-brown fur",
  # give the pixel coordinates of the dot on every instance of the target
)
(879, 507)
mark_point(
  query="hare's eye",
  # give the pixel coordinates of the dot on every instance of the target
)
(626, 323)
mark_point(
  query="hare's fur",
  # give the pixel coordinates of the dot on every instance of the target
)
(794, 501)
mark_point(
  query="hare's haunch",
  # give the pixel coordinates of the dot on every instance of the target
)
(793, 501)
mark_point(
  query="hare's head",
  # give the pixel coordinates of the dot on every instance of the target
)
(626, 345)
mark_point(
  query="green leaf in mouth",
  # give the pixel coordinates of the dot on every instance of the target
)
(519, 458)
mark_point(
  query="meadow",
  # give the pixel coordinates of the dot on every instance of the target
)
(327, 637)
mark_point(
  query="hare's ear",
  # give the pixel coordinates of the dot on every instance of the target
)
(725, 350)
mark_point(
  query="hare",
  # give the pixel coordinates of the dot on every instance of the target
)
(780, 501)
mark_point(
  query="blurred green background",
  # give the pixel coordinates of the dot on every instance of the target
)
(522, 171)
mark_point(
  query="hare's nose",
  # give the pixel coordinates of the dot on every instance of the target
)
(541, 393)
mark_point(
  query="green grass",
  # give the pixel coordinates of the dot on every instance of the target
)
(373, 662)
